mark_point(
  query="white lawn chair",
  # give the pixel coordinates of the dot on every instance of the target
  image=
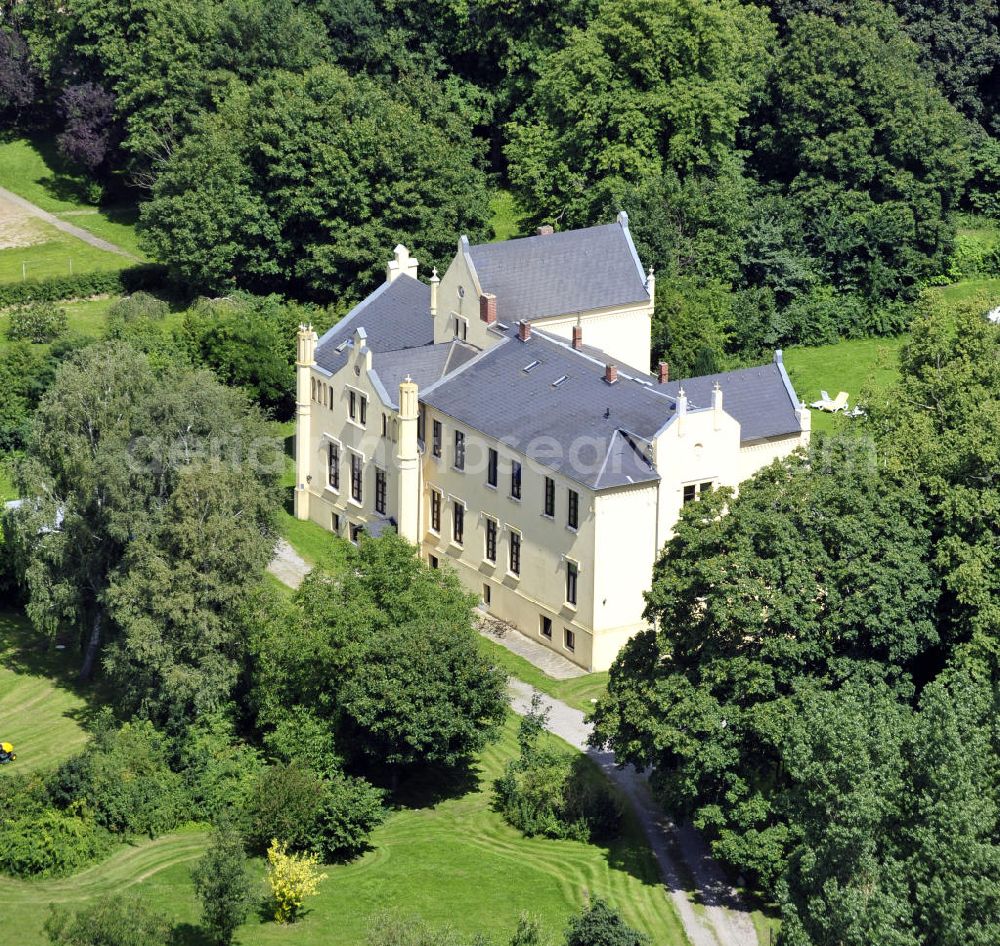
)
(839, 403)
(824, 399)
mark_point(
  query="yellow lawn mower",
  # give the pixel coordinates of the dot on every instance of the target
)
(7, 753)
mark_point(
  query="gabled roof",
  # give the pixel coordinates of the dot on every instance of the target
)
(397, 315)
(761, 399)
(575, 271)
(586, 429)
(424, 365)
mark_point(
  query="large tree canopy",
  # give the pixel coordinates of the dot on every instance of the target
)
(302, 184)
(128, 468)
(645, 88)
(383, 648)
(857, 134)
(818, 571)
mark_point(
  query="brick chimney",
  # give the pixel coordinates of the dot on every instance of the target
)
(578, 337)
(663, 373)
(611, 373)
(545, 230)
(488, 307)
(524, 330)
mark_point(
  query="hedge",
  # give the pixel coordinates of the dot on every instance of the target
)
(149, 276)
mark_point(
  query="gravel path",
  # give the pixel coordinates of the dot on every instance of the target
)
(719, 919)
(288, 566)
(59, 224)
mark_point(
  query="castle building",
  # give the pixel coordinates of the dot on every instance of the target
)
(502, 419)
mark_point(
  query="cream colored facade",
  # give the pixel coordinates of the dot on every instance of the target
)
(619, 530)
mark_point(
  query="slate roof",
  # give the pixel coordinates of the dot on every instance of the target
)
(589, 430)
(539, 276)
(761, 399)
(424, 365)
(396, 315)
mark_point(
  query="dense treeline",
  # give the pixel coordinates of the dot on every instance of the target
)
(793, 168)
(821, 693)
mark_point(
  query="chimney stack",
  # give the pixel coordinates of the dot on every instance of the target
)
(578, 337)
(524, 330)
(663, 374)
(488, 307)
(545, 230)
(611, 373)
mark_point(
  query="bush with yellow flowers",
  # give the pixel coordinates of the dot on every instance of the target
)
(292, 878)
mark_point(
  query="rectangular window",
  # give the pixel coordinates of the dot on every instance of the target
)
(515, 479)
(705, 488)
(356, 490)
(515, 553)
(352, 405)
(385, 424)
(432, 560)
(333, 467)
(435, 511)
(329, 398)
(461, 328)
(458, 522)
(491, 540)
(336, 523)
(573, 513)
(550, 497)
(459, 450)
(689, 493)
(569, 639)
(571, 576)
(436, 445)
(356, 531)
(421, 426)
(546, 627)
(487, 596)
(491, 467)
(380, 491)
(363, 409)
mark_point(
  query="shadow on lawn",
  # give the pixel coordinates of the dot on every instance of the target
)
(25, 652)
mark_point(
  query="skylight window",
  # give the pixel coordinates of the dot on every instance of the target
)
(343, 345)
(559, 381)
(530, 365)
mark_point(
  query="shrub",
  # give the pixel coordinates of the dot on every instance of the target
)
(389, 929)
(284, 801)
(218, 769)
(329, 816)
(223, 883)
(38, 322)
(292, 878)
(111, 921)
(553, 793)
(601, 925)
(50, 843)
(59, 288)
(137, 307)
(124, 779)
(351, 810)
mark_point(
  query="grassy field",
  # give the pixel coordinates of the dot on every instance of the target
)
(58, 254)
(855, 366)
(967, 288)
(454, 860)
(32, 169)
(506, 216)
(40, 711)
(581, 692)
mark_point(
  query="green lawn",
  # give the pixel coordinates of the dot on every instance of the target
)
(453, 861)
(7, 490)
(60, 254)
(33, 170)
(854, 365)
(580, 692)
(40, 710)
(967, 288)
(506, 216)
